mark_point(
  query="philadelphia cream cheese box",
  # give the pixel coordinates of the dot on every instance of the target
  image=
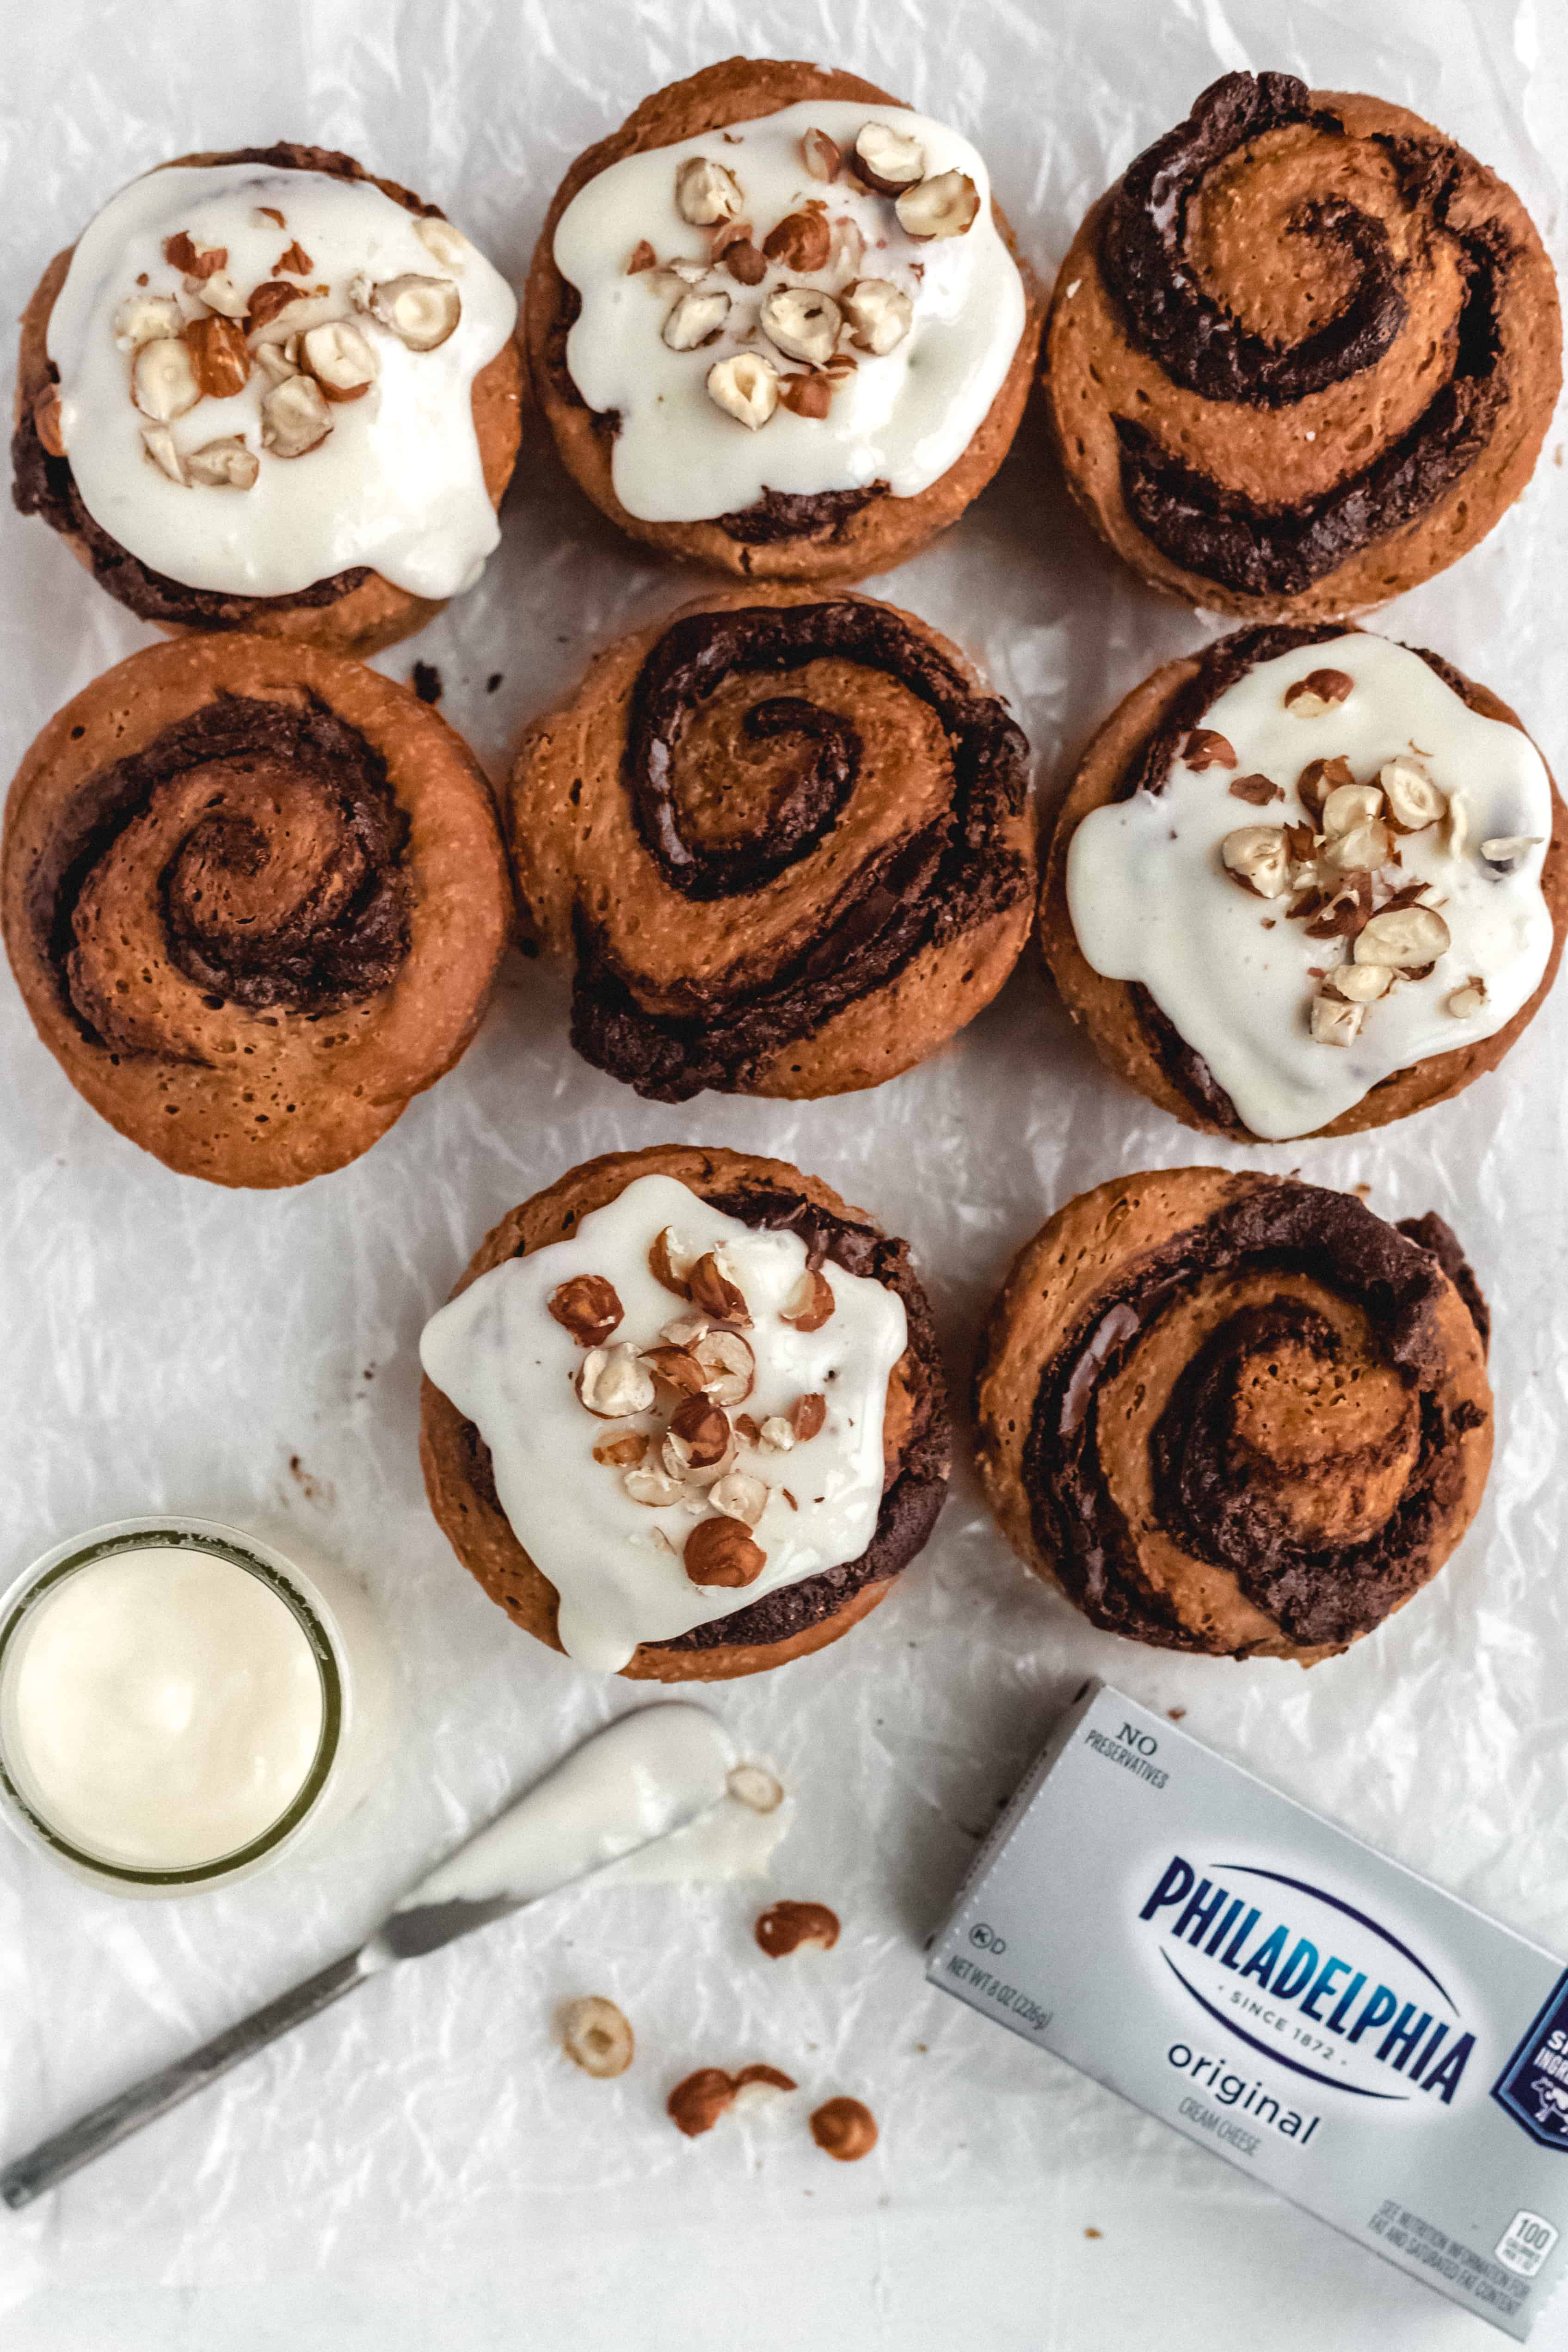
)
(1312, 2013)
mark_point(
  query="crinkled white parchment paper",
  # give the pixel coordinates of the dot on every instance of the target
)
(168, 1344)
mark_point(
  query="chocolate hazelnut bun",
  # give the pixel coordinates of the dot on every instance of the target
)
(1274, 915)
(684, 1415)
(777, 325)
(1234, 1414)
(784, 842)
(267, 391)
(254, 898)
(1303, 354)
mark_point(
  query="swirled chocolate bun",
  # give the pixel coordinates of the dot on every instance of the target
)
(1303, 353)
(255, 896)
(784, 842)
(684, 1416)
(1236, 1414)
(268, 391)
(777, 325)
(1275, 916)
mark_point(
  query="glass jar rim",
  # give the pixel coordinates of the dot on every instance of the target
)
(283, 1579)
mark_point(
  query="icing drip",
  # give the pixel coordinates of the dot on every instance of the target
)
(900, 419)
(1235, 976)
(619, 1564)
(394, 482)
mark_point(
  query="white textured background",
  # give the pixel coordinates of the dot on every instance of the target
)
(421, 2169)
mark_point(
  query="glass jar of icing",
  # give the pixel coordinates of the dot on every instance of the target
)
(181, 1705)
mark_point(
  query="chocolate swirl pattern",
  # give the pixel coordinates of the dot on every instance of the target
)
(1303, 354)
(227, 872)
(784, 843)
(1236, 1414)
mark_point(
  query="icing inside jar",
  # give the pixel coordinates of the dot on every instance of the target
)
(1385, 907)
(255, 446)
(900, 377)
(620, 1477)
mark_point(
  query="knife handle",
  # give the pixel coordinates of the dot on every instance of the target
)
(104, 2127)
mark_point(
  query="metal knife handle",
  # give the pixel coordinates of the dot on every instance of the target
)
(117, 2119)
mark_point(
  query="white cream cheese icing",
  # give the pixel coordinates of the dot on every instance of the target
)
(396, 483)
(163, 1707)
(903, 418)
(1150, 900)
(617, 1563)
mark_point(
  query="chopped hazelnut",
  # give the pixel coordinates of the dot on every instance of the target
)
(620, 1453)
(1506, 849)
(422, 312)
(810, 1304)
(728, 1367)
(695, 319)
(1465, 1002)
(752, 1786)
(1321, 691)
(194, 260)
(776, 1433)
(653, 1484)
(801, 242)
(739, 1496)
(810, 396)
(886, 160)
(801, 322)
(1257, 790)
(340, 358)
(745, 387)
(643, 258)
(712, 1291)
(1349, 805)
(1318, 778)
(702, 1430)
(1334, 1022)
(612, 1382)
(677, 1366)
(663, 1252)
(158, 448)
(706, 191)
(947, 206)
(720, 1551)
(1414, 800)
(146, 319)
(1362, 983)
(219, 360)
(820, 154)
(845, 2129)
(1405, 937)
(589, 1306)
(1259, 857)
(446, 244)
(230, 464)
(786, 1927)
(597, 2036)
(877, 315)
(1205, 748)
(808, 1415)
(163, 379)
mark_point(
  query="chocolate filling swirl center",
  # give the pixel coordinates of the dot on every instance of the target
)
(255, 849)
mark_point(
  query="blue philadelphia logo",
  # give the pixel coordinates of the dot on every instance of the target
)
(1314, 1984)
(1534, 2085)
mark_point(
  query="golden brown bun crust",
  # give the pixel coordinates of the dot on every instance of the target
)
(374, 614)
(1281, 285)
(887, 531)
(474, 1525)
(254, 1097)
(1108, 1009)
(1319, 1430)
(575, 844)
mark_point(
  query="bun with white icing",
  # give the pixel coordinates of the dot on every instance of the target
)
(1305, 883)
(777, 323)
(267, 391)
(684, 1416)
(784, 840)
(1234, 1414)
(254, 898)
